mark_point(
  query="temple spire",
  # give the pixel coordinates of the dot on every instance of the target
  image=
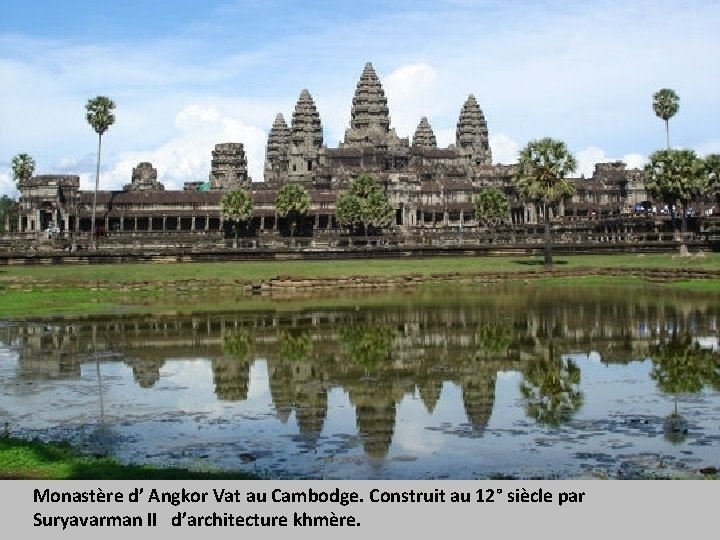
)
(276, 151)
(306, 138)
(424, 136)
(472, 133)
(370, 116)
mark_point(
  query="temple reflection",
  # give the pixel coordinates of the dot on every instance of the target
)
(380, 356)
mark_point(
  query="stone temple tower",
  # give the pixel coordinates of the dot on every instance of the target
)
(370, 116)
(472, 134)
(424, 136)
(228, 167)
(144, 178)
(276, 151)
(306, 139)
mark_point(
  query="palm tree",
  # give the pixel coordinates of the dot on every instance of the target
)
(711, 164)
(236, 206)
(541, 177)
(676, 177)
(666, 104)
(292, 202)
(100, 117)
(23, 166)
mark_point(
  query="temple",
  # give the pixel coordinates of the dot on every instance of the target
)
(431, 188)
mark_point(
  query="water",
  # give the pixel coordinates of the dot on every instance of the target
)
(522, 381)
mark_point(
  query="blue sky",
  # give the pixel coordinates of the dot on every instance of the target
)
(187, 74)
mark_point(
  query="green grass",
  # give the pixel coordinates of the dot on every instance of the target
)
(257, 270)
(67, 290)
(37, 460)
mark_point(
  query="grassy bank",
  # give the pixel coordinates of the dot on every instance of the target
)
(76, 290)
(43, 461)
(258, 270)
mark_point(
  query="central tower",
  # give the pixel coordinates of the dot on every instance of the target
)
(370, 116)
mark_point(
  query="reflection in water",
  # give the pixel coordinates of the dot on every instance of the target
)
(682, 366)
(231, 372)
(551, 389)
(367, 345)
(295, 345)
(380, 358)
(493, 338)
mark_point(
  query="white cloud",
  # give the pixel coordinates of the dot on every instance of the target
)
(515, 57)
(7, 184)
(634, 161)
(186, 156)
(587, 158)
(504, 149)
(409, 91)
(445, 137)
(590, 155)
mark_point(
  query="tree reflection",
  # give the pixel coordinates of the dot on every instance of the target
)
(494, 338)
(231, 373)
(295, 346)
(367, 345)
(238, 344)
(551, 389)
(681, 366)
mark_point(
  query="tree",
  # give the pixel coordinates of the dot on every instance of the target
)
(541, 177)
(711, 166)
(364, 203)
(23, 166)
(292, 202)
(236, 206)
(491, 207)
(675, 177)
(666, 104)
(99, 114)
(348, 211)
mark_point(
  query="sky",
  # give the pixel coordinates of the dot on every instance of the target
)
(188, 74)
